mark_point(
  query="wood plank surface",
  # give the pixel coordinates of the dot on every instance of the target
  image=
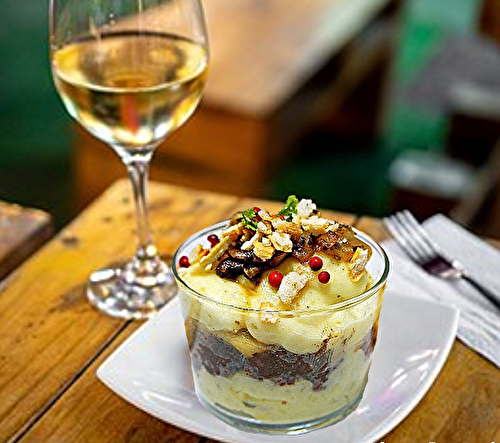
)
(48, 330)
(50, 383)
(90, 412)
(22, 232)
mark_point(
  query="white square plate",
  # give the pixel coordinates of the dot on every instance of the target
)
(151, 370)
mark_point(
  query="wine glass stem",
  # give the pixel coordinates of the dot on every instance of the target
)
(138, 169)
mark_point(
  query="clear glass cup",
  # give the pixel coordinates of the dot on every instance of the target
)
(264, 386)
(130, 72)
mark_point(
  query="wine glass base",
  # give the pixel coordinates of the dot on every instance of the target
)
(110, 291)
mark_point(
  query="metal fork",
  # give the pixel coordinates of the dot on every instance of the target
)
(416, 242)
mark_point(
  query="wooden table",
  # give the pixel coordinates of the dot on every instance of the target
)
(52, 340)
(22, 232)
(277, 68)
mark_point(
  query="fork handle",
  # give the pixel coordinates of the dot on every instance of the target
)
(491, 296)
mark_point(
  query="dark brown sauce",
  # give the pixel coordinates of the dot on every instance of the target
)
(220, 358)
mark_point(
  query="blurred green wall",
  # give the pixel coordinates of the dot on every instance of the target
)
(34, 128)
(425, 23)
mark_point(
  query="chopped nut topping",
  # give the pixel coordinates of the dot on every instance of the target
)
(265, 228)
(288, 227)
(233, 232)
(248, 245)
(215, 253)
(333, 227)
(247, 235)
(263, 252)
(256, 241)
(265, 316)
(281, 242)
(316, 225)
(265, 215)
(197, 254)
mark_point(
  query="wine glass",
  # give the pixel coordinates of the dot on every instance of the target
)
(130, 72)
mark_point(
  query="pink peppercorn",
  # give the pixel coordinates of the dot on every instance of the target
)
(213, 239)
(275, 278)
(324, 277)
(184, 262)
(315, 263)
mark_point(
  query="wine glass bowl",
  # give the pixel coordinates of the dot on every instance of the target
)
(130, 72)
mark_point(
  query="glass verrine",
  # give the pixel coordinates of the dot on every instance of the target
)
(305, 370)
(130, 72)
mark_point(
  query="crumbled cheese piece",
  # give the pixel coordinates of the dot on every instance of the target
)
(265, 316)
(305, 208)
(262, 251)
(291, 285)
(357, 264)
(282, 242)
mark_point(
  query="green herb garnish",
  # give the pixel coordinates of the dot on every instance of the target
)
(248, 218)
(289, 208)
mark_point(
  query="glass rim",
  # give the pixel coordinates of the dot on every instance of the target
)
(338, 306)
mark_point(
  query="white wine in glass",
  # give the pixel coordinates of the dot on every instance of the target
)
(131, 72)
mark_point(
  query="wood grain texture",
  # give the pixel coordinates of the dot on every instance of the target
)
(90, 412)
(22, 232)
(48, 330)
(52, 342)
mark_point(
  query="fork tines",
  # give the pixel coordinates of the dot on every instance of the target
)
(415, 241)
(411, 236)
